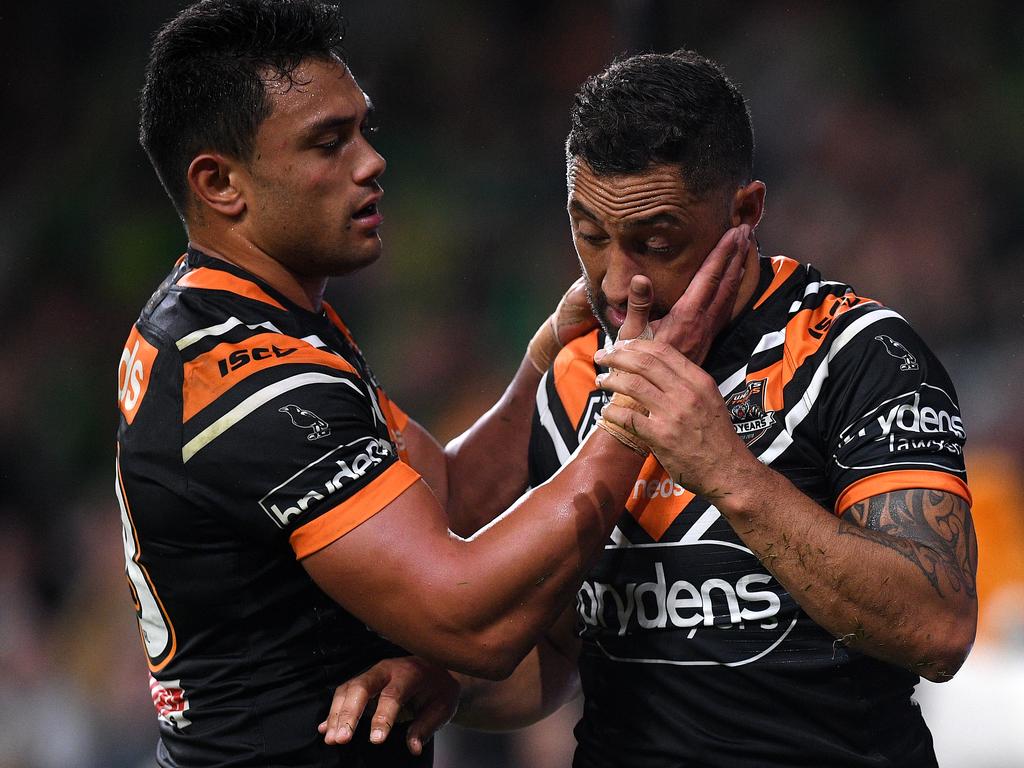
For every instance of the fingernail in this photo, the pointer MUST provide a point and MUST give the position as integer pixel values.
(600, 378)
(377, 735)
(415, 746)
(343, 733)
(599, 355)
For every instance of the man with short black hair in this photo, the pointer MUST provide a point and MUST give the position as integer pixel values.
(284, 522)
(799, 548)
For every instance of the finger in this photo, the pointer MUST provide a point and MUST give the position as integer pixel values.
(386, 714)
(657, 362)
(344, 714)
(428, 721)
(636, 386)
(627, 418)
(348, 704)
(720, 309)
(638, 307)
(702, 289)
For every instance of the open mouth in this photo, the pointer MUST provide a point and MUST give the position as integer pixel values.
(366, 211)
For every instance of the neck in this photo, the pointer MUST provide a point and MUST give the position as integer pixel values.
(307, 292)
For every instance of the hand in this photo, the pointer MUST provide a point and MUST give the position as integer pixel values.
(707, 304)
(408, 688)
(635, 328)
(571, 319)
(687, 426)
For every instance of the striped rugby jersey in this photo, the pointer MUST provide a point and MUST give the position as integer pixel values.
(693, 654)
(252, 434)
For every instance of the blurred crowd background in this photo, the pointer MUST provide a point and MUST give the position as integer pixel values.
(890, 137)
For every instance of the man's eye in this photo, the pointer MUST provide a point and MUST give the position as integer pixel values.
(592, 239)
(329, 146)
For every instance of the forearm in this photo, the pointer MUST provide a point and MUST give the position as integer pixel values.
(487, 464)
(517, 573)
(886, 595)
(543, 682)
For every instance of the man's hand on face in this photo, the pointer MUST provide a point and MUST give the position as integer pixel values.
(707, 304)
(572, 318)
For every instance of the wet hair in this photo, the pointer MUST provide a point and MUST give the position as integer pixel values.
(653, 109)
(205, 84)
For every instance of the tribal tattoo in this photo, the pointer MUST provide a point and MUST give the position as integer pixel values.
(929, 528)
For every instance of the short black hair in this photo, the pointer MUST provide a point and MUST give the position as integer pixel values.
(652, 109)
(204, 87)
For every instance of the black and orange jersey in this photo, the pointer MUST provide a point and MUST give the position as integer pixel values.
(692, 653)
(252, 434)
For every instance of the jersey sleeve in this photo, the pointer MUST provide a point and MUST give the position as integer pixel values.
(891, 420)
(301, 454)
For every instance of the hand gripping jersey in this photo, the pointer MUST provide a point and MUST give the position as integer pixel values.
(693, 654)
(252, 434)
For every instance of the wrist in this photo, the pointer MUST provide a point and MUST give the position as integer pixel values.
(544, 346)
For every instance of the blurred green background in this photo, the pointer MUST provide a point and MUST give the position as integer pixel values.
(889, 135)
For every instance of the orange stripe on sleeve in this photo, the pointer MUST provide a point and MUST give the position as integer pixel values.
(574, 375)
(217, 280)
(901, 480)
(783, 267)
(355, 510)
(213, 373)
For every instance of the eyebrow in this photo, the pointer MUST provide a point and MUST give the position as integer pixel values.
(338, 121)
(650, 221)
(577, 207)
(647, 221)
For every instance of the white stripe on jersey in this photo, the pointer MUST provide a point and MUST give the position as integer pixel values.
(315, 341)
(811, 288)
(768, 341)
(218, 330)
(254, 401)
(800, 410)
(548, 421)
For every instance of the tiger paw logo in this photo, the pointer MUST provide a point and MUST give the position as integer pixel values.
(304, 419)
(746, 409)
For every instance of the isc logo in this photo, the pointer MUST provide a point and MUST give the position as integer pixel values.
(133, 373)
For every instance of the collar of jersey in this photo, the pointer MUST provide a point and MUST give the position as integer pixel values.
(196, 259)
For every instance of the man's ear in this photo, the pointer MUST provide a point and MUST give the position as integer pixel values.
(748, 204)
(214, 180)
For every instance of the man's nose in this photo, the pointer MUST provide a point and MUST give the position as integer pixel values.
(370, 166)
(621, 269)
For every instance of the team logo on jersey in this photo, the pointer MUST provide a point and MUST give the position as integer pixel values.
(907, 361)
(304, 419)
(662, 605)
(924, 421)
(170, 701)
(746, 408)
(332, 472)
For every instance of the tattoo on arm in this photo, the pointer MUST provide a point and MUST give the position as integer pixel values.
(929, 528)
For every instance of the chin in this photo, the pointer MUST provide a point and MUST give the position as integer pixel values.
(355, 259)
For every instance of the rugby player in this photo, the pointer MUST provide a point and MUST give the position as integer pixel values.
(799, 548)
(284, 522)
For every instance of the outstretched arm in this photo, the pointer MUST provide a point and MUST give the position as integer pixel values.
(894, 577)
(479, 605)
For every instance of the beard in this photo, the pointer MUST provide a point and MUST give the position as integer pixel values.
(599, 306)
